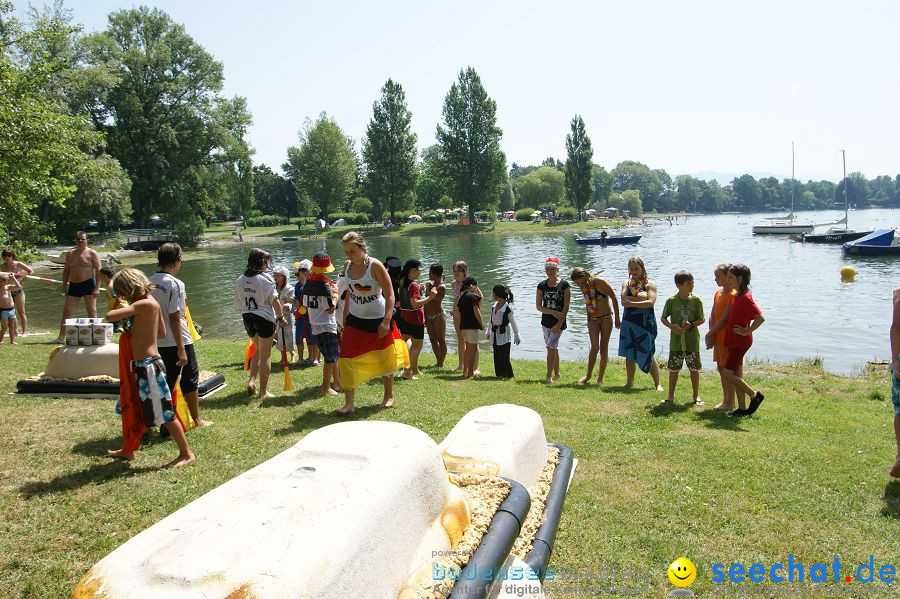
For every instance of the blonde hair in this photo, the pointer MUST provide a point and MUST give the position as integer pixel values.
(640, 262)
(4, 277)
(131, 284)
(461, 266)
(356, 239)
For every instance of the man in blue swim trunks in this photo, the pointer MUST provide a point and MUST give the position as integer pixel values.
(895, 372)
(81, 279)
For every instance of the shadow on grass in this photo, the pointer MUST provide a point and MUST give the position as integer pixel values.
(238, 397)
(315, 419)
(891, 498)
(293, 398)
(98, 447)
(720, 420)
(668, 408)
(96, 474)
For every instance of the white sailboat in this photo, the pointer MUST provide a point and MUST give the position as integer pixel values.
(784, 225)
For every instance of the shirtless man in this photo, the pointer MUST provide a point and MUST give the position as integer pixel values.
(81, 279)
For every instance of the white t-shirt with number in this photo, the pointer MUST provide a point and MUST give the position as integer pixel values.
(254, 295)
(169, 294)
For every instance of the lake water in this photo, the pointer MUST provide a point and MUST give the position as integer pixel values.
(809, 311)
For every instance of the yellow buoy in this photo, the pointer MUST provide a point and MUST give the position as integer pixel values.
(847, 273)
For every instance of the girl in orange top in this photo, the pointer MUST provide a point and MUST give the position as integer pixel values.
(715, 338)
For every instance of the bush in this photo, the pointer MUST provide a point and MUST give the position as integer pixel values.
(433, 217)
(268, 220)
(352, 218)
(524, 214)
(567, 213)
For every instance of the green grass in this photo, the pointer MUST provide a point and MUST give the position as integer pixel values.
(806, 475)
(220, 231)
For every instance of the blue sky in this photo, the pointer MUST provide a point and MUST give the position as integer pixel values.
(692, 86)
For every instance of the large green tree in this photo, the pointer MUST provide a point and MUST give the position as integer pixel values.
(273, 193)
(165, 119)
(41, 141)
(389, 152)
(324, 166)
(638, 176)
(603, 183)
(542, 188)
(579, 157)
(471, 158)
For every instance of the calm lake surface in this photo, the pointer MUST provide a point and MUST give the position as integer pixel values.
(809, 312)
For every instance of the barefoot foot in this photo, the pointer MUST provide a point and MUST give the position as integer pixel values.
(120, 453)
(181, 460)
(347, 409)
(895, 471)
(251, 389)
(659, 388)
(388, 402)
(583, 380)
(203, 423)
(266, 395)
(328, 392)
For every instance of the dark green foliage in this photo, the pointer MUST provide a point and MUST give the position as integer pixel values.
(389, 152)
(579, 156)
(524, 214)
(470, 155)
(268, 220)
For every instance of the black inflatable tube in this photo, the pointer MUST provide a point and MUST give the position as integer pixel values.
(64, 388)
(539, 556)
(495, 545)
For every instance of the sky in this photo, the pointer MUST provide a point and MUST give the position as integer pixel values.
(690, 87)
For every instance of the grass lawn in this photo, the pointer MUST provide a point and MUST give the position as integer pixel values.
(220, 231)
(807, 475)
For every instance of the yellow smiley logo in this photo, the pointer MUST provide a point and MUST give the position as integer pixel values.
(682, 572)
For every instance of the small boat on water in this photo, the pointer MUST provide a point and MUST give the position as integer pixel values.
(785, 225)
(608, 240)
(835, 234)
(882, 242)
(289, 238)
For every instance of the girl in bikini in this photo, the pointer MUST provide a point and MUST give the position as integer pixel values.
(11, 265)
(435, 319)
(597, 295)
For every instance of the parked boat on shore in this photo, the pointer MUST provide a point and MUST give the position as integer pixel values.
(605, 240)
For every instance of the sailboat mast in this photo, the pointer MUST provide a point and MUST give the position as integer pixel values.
(846, 205)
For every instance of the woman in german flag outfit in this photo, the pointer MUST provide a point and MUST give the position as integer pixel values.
(371, 345)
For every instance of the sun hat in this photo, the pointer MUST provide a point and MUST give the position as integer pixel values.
(552, 262)
(321, 264)
(282, 270)
(302, 265)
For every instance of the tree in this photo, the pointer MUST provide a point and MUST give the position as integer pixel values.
(603, 183)
(629, 200)
(748, 196)
(508, 197)
(41, 143)
(470, 157)
(273, 193)
(164, 118)
(389, 152)
(579, 157)
(689, 193)
(857, 190)
(635, 175)
(542, 188)
(324, 167)
(101, 194)
(432, 185)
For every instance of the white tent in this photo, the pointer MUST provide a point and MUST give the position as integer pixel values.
(320, 224)
(590, 211)
(536, 213)
(339, 222)
(415, 217)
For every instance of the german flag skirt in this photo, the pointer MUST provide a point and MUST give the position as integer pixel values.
(364, 355)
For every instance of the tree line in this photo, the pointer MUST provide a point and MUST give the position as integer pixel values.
(125, 124)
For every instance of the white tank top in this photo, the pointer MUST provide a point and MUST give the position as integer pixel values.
(366, 300)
